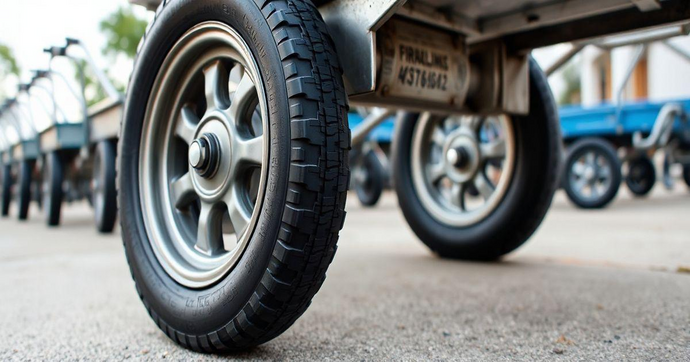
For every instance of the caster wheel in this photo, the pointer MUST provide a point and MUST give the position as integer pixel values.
(686, 174)
(51, 188)
(6, 190)
(369, 179)
(592, 173)
(103, 192)
(233, 169)
(510, 164)
(641, 176)
(25, 172)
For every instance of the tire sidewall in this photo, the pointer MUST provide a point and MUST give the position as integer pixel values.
(206, 310)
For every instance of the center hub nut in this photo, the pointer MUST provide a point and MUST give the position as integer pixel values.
(204, 155)
(458, 157)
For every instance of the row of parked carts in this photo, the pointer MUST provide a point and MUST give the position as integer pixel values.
(67, 158)
(54, 146)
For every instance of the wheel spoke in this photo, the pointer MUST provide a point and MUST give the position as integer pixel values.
(594, 191)
(216, 85)
(182, 191)
(251, 151)
(457, 192)
(483, 186)
(438, 136)
(578, 169)
(210, 232)
(238, 215)
(604, 173)
(186, 124)
(436, 172)
(236, 74)
(244, 94)
(471, 122)
(493, 150)
(580, 184)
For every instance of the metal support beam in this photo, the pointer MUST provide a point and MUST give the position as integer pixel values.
(375, 118)
(565, 58)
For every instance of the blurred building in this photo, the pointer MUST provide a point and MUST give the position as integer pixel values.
(661, 74)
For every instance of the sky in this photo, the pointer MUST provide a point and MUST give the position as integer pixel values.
(28, 26)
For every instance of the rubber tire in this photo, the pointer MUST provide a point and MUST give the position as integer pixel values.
(369, 194)
(537, 168)
(285, 262)
(575, 151)
(54, 171)
(25, 180)
(648, 173)
(686, 174)
(106, 212)
(6, 190)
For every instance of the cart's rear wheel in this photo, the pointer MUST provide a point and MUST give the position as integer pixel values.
(26, 169)
(6, 189)
(476, 187)
(641, 176)
(233, 168)
(592, 174)
(368, 176)
(103, 191)
(51, 188)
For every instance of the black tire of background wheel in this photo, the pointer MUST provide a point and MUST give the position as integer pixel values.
(106, 214)
(6, 190)
(54, 195)
(370, 192)
(686, 174)
(641, 188)
(285, 263)
(537, 168)
(606, 149)
(25, 172)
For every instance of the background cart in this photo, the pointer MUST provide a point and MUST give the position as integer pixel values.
(606, 140)
(22, 155)
(80, 157)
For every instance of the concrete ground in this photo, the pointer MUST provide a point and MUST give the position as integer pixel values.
(591, 285)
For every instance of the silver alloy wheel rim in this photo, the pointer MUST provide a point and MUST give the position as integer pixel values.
(97, 191)
(199, 224)
(591, 175)
(462, 195)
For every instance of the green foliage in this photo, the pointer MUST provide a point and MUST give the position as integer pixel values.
(123, 29)
(8, 64)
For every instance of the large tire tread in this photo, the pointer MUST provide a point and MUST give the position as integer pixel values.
(316, 195)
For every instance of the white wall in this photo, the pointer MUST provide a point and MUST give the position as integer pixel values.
(669, 73)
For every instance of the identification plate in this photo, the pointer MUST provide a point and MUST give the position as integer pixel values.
(422, 63)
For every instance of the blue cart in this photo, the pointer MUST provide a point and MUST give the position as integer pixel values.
(603, 139)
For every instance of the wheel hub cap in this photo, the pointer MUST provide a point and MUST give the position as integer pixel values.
(458, 157)
(205, 155)
(462, 157)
